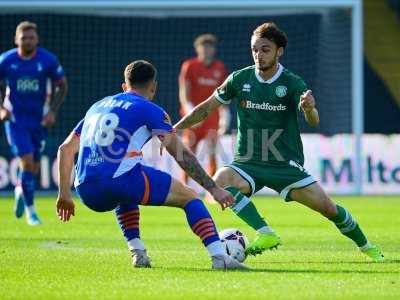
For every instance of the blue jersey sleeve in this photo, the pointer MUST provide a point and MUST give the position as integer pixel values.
(56, 71)
(78, 128)
(157, 120)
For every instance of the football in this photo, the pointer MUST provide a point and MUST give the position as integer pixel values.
(235, 243)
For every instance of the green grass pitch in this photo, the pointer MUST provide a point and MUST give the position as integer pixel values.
(88, 259)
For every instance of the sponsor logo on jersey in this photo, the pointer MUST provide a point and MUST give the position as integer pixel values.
(262, 106)
(207, 81)
(217, 74)
(246, 87)
(93, 159)
(27, 85)
(14, 66)
(281, 91)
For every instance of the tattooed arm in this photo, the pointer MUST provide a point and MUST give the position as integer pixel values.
(58, 94)
(199, 113)
(189, 163)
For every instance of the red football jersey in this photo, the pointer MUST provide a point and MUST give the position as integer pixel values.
(203, 81)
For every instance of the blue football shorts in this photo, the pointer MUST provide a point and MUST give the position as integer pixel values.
(142, 185)
(25, 140)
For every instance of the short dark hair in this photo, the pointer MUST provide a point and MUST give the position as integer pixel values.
(25, 25)
(271, 32)
(139, 73)
(205, 38)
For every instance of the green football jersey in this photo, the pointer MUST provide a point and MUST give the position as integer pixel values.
(268, 129)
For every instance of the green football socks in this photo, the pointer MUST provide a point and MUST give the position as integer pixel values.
(345, 222)
(246, 210)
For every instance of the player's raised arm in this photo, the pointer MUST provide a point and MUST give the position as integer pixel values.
(65, 157)
(199, 113)
(307, 104)
(189, 163)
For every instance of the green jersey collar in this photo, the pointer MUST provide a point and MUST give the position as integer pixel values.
(273, 78)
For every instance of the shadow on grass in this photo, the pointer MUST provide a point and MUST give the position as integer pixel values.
(387, 261)
(293, 271)
(266, 270)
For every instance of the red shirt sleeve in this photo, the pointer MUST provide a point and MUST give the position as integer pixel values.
(185, 73)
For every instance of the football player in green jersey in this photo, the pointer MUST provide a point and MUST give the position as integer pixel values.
(269, 150)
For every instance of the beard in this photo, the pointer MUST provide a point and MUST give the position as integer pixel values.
(269, 65)
(28, 50)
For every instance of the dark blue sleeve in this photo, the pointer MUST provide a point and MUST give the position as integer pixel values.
(157, 120)
(56, 71)
(78, 128)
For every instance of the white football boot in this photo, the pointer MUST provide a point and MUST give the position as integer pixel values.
(140, 259)
(225, 262)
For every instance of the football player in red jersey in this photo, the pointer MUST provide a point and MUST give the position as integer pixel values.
(198, 78)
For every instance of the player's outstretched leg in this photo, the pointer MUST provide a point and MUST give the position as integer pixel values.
(245, 209)
(28, 188)
(315, 198)
(202, 225)
(128, 216)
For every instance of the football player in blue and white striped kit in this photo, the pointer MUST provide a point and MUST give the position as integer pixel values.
(110, 174)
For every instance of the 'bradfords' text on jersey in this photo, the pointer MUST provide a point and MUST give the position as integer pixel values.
(264, 106)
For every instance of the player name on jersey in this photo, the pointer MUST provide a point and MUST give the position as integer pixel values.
(111, 103)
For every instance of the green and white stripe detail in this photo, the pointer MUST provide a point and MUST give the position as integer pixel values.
(297, 185)
(241, 202)
(348, 224)
(246, 176)
(218, 97)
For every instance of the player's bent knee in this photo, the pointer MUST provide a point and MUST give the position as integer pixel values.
(226, 177)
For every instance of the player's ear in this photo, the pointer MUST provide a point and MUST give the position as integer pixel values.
(124, 87)
(155, 86)
(280, 51)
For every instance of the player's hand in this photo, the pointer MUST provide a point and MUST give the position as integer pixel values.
(224, 198)
(307, 101)
(65, 208)
(5, 114)
(49, 119)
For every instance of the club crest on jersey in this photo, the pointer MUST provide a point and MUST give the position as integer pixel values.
(39, 67)
(281, 91)
(246, 87)
(167, 119)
